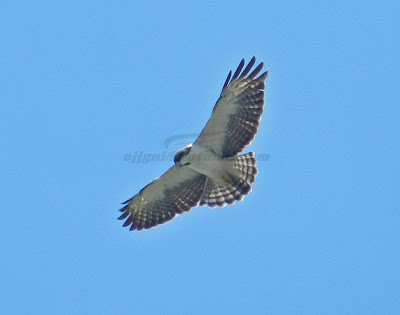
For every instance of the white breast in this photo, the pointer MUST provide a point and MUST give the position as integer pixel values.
(204, 161)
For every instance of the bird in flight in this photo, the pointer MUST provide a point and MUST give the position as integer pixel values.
(209, 171)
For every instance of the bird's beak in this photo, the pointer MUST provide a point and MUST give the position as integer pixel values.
(179, 164)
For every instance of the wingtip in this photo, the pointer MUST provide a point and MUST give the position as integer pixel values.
(128, 222)
(227, 79)
(238, 70)
(126, 201)
(123, 215)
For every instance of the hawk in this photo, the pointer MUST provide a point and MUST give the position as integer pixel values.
(209, 171)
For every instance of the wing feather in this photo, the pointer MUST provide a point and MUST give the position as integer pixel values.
(248, 67)
(238, 70)
(235, 118)
(227, 79)
(256, 71)
(175, 192)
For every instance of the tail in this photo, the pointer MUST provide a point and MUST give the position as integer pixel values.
(241, 172)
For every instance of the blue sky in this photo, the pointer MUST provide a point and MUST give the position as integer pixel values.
(83, 84)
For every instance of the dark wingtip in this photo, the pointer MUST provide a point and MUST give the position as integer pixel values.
(248, 67)
(227, 79)
(256, 71)
(128, 221)
(238, 70)
(123, 208)
(125, 202)
(123, 216)
(239, 74)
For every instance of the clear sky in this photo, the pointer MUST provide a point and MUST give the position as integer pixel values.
(86, 84)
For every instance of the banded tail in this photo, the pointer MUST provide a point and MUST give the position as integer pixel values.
(242, 172)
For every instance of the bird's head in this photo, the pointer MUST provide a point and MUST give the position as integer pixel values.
(180, 158)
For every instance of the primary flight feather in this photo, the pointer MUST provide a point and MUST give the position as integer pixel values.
(209, 171)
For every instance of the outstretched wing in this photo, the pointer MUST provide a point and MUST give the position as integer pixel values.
(175, 192)
(236, 115)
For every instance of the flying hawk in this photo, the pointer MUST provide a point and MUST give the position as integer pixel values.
(209, 171)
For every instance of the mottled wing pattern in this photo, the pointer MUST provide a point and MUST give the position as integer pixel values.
(236, 115)
(177, 191)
